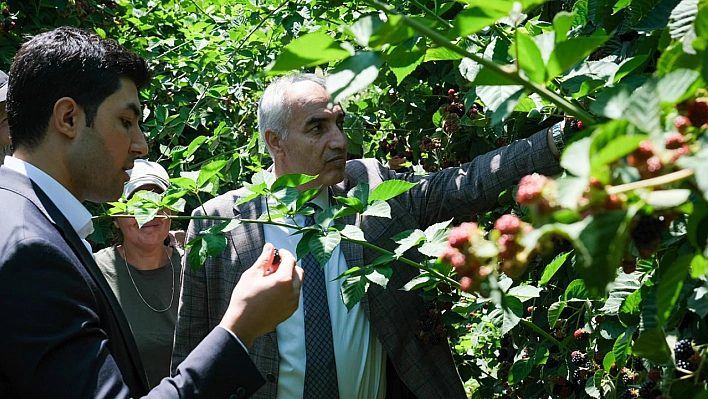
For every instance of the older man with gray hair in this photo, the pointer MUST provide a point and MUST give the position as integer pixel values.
(323, 350)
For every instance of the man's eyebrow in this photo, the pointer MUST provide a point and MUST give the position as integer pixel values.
(316, 119)
(135, 108)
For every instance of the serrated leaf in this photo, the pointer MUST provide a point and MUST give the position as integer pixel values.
(624, 286)
(292, 180)
(435, 245)
(494, 96)
(303, 246)
(698, 301)
(351, 202)
(215, 243)
(322, 246)
(652, 346)
(403, 62)
(699, 163)
(666, 199)
(287, 196)
(418, 282)
(194, 145)
(529, 58)
(576, 157)
(305, 196)
(668, 289)
(576, 290)
(350, 231)
(525, 292)
(593, 384)
(513, 311)
(379, 209)
(389, 189)
(144, 216)
(379, 275)
(184, 182)
(473, 19)
(408, 240)
(520, 370)
(309, 50)
(353, 289)
(197, 252)
(567, 53)
(621, 347)
(676, 85)
(550, 270)
(699, 266)
(208, 171)
(554, 312)
(353, 75)
(506, 107)
(643, 109)
(616, 149)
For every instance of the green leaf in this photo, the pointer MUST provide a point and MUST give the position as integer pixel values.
(562, 22)
(389, 189)
(292, 180)
(576, 157)
(215, 243)
(600, 248)
(576, 290)
(360, 191)
(144, 216)
(350, 231)
(372, 31)
(379, 209)
(529, 58)
(616, 149)
(423, 280)
(353, 289)
(194, 146)
(303, 246)
(513, 311)
(643, 109)
(288, 196)
(403, 62)
(520, 370)
(698, 301)
(667, 199)
(554, 312)
(197, 252)
(507, 107)
(494, 96)
(677, 85)
(322, 246)
(567, 53)
(435, 244)
(408, 240)
(441, 54)
(309, 50)
(208, 171)
(629, 65)
(593, 384)
(699, 163)
(652, 346)
(351, 202)
(550, 270)
(612, 102)
(306, 196)
(525, 292)
(379, 275)
(353, 75)
(624, 286)
(669, 288)
(699, 266)
(473, 19)
(621, 347)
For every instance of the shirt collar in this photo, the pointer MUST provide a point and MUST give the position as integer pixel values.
(68, 205)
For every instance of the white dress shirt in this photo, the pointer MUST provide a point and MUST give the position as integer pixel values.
(79, 217)
(359, 356)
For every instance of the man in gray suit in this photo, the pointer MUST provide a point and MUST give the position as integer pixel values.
(373, 349)
(74, 112)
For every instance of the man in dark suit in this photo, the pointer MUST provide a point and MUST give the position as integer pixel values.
(74, 114)
(374, 350)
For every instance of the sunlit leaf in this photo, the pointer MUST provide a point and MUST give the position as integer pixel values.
(309, 50)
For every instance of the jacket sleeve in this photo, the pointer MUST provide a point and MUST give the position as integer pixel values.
(475, 186)
(52, 344)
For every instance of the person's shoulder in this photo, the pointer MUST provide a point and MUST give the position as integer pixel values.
(106, 260)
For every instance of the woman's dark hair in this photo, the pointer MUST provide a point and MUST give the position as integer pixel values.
(65, 62)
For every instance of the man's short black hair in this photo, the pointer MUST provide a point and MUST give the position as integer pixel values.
(65, 62)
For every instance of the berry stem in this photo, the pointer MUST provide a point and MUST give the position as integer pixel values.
(654, 181)
(542, 333)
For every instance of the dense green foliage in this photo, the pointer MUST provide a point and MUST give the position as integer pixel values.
(610, 268)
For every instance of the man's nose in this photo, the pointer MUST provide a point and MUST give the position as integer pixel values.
(339, 139)
(138, 145)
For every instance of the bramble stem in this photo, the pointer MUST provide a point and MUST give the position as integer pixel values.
(653, 182)
(540, 332)
(507, 71)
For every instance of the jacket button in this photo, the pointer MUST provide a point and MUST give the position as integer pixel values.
(240, 393)
(270, 377)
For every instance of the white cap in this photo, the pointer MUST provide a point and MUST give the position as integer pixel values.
(145, 173)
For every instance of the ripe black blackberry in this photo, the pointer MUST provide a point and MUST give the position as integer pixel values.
(577, 358)
(648, 390)
(637, 364)
(580, 376)
(683, 350)
(430, 306)
(426, 323)
(685, 364)
(627, 379)
(434, 339)
(552, 362)
(646, 234)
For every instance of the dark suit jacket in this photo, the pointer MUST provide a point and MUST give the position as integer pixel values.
(428, 371)
(63, 333)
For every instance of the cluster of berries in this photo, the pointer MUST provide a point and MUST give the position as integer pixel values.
(562, 388)
(538, 193)
(430, 331)
(513, 259)
(454, 111)
(686, 357)
(393, 145)
(6, 23)
(465, 251)
(428, 144)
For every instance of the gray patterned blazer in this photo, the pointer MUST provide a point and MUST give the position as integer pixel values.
(428, 370)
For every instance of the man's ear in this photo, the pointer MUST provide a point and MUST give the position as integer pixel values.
(65, 118)
(274, 142)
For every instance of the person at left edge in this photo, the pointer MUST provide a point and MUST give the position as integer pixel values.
(74, 111)
(5, 144)
(143, 271)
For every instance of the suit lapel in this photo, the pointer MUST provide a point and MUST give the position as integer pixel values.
(21, 185)
(250, 238)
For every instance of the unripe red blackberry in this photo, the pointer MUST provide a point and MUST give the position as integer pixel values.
(629, 266)
(654, 375)
(679, 152)
(530, 189)
(596, 184)
(698, 113)
(682, 123)
(460, 235)
(580, 334)
(674, 140)
(508, 224)
(695, 360)
(654, 164)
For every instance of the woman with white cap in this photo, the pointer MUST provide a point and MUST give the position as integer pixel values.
(144, 273)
